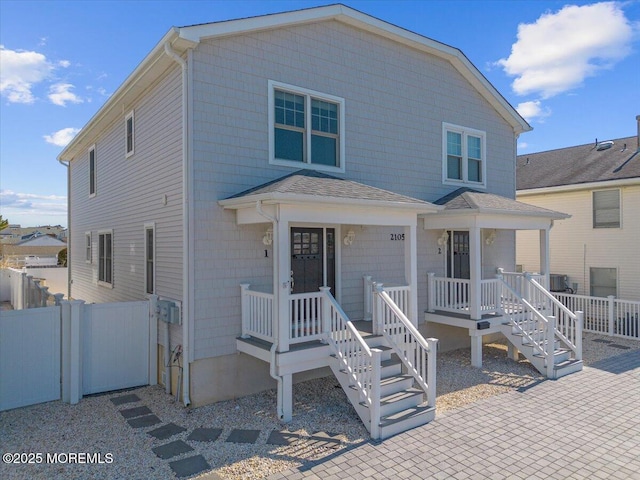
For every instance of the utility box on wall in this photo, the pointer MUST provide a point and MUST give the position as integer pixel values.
(168, 312)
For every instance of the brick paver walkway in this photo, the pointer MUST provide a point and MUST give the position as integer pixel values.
(583, 426)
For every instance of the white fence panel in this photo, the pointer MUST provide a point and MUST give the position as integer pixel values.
(115, 351)
(29, 357)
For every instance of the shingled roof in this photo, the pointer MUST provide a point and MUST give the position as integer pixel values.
(580, 164)
(466, 200)
(312, 184)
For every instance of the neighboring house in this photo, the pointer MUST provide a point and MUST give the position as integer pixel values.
(599, 186)
(246, 164)
(34, 250)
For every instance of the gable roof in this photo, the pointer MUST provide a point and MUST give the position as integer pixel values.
(581, 164)
(466, 200)
(180, 39)
(308, 186)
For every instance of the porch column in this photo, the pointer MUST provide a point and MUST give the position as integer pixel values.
(475, 260)
(282, 283)
(411, 269)
(545, 264)
(476, 350)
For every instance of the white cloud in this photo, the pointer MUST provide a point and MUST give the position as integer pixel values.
(64, 63)
(62, 137)
(31, 203)
(61, 94)
(19, 71)
(557, 52)
(533, 110)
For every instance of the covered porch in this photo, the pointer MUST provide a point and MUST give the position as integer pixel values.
(476, 234)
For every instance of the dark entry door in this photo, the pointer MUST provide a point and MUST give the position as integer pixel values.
(458, 265)
(307, 259)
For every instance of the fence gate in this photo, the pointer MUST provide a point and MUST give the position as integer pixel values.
(115, 346)
(29, 357)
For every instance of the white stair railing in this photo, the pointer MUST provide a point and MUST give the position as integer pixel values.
(361, 363)
(416, 353)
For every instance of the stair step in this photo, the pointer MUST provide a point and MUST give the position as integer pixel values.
(395, 402)
(567, 367)
(405, 420)
(405, 414)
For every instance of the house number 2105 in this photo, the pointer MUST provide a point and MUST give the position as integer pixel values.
(397, 236)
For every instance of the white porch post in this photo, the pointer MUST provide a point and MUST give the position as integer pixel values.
(545, 264)
(287, 397)
(411, 269)
(475, 259)
(476, 350)
(282, 284)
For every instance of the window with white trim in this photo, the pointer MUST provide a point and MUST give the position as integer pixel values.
(603, 282)
(464, 155)
(149, 259)
(92, 171)
(87, 247)
(105, 258)
(606, 209)
(129, 137)
(306, 128)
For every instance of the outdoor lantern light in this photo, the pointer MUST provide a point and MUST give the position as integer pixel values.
(268, 237)
(491, 238)
(443, 238)
(349, 237)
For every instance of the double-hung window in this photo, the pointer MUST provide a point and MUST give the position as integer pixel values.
(129, 136)
(306, 128)
(606, 209)
(105, 258)
(92, 171)
(464, 155)
(149, 258)
(87, 247)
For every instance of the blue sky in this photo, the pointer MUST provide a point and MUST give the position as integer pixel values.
(572, 69)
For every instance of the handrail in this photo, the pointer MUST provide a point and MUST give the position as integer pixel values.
(416, 353)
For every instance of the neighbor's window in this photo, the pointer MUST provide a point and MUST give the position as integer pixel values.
(87, 247)
(464, 155)
(149, 255)
(105, 258)
(129, 134)
(306, 128)
(606, 209)
(603, 282)
(92, 171)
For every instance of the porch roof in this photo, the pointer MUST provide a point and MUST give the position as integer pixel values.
(494, 211)
(311, 187)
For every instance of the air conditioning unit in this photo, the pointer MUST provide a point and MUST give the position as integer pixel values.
(558, 282)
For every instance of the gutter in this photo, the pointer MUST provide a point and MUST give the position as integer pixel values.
(579, 186)
(274, 347)
(187, 304)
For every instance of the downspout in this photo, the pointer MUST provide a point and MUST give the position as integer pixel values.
(274, 347)
(68, 165)
(186, 211)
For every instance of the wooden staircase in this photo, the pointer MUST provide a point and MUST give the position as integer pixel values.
(547, 333)
(402, 406)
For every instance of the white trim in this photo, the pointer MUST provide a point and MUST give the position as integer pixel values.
(131, 116)
(465, 132)
(625, 182)
(150, 227)
(102, 282)
(308, 94)
(93, 177)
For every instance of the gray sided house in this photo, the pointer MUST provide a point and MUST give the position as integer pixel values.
(286, 177)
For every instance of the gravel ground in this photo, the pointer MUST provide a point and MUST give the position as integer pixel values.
(96, 426)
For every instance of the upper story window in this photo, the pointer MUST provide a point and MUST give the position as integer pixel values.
(129, 134)
(306, 128)
(92, 171)
(606, 209)
(464, 155)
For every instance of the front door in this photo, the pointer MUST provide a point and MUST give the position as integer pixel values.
(312, 259)
(458, 261)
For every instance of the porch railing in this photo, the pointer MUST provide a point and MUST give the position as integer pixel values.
(416, 353)
(454, 295)
(517, 280)
(606, 315)
(306, 317)
(257, 314)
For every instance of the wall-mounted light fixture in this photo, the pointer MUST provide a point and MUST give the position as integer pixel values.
(491, 238)
(267, 239)
(443, 238)
(349, 237)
